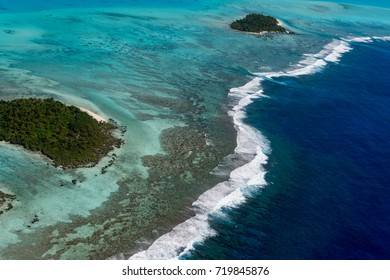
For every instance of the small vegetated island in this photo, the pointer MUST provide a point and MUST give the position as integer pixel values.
(67, 135)
(259, 23)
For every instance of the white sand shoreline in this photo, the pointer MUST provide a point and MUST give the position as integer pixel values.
(93, 115)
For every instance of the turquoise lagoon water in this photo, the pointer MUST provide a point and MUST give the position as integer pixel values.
(171, 72)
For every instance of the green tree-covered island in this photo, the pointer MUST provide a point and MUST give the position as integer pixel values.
(258, 23)
(67, 135)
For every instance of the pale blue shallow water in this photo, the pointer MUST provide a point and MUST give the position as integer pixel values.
(376, 3)
(150, 66)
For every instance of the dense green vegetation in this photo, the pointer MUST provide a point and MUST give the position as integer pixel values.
(258, 23)
(70, 137)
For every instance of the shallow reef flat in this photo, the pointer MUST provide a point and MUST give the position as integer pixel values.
(100, 211)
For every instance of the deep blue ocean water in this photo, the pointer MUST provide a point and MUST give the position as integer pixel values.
(329, 170)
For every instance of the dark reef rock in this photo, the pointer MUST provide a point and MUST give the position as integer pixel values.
(9, 31)
(6, 202)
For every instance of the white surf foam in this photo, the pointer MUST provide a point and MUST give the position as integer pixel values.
(251, 145)
(312, 63)
(367, 39)
(382, 38)
(359, 39)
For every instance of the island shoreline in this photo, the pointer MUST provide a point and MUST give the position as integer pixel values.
(70, 136)
(260, 22)
(96, 116)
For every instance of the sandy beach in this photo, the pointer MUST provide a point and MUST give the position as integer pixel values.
(94, 115)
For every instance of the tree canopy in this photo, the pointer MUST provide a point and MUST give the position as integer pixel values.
(68, 136)
(258, 23)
